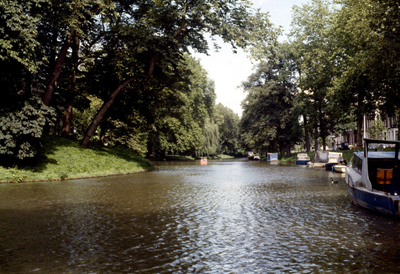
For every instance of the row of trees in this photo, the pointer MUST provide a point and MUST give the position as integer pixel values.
(118, 71)
(341, 62)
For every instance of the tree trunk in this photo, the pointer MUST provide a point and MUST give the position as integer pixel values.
(324, 142)
(67, 119)
(306, 134)
(100, 114)
(57, 69)
(316, 138)
(360, 131)
(288, 153)
(281, 148)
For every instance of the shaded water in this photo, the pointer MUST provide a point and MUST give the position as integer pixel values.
(229, 216)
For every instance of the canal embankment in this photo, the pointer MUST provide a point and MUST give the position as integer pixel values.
(63, 159)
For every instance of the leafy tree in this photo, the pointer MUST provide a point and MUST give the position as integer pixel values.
(384, 20)
(377, 129)
(18, 34)
(22, 129)
(210, 138)
(310, 37)
(357, 90)
(162, 31)
(267, 122)
(228, 124)
(23, 117)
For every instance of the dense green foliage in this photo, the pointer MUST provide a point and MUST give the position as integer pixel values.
(21, 130)
(120, 73)
(267, 123)
(344, 58)
(117, 72)
(228, 125)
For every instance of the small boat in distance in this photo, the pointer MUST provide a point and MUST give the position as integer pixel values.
(256, 158)
(302, 159)
(272, 157)
(250, 155)
(373, 178)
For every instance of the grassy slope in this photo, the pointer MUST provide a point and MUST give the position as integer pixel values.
(65, 159)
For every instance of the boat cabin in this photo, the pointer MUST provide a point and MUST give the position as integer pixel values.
(383, 169)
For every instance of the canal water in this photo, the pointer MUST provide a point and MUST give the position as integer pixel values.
(231, 216)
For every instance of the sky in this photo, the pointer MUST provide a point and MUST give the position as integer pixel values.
(229, 70)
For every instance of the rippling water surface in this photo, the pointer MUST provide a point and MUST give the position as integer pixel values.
(227, 217)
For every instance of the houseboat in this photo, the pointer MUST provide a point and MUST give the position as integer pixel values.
(373, 178)
(302, 159)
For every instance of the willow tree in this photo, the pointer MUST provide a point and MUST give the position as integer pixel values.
(228, 124)
(164, 30)
(211, 139)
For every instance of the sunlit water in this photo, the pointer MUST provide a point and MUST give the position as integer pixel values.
(227, 217)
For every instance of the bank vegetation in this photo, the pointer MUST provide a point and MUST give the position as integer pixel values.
(119, 74)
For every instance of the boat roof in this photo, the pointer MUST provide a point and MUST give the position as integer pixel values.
(377, 154)
(370, 141)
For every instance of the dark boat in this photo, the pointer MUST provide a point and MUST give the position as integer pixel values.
(373, 178)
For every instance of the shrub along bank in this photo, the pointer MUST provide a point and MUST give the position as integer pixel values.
(62, 159)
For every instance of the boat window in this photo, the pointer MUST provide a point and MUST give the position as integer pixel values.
(381, 155)
(357, 164)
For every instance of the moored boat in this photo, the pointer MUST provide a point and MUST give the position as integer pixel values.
(339, 168)
(256, 158)
(333, 160)
(373, 178)
(302, 159)
(250, 155)
(272, 157)
(320, 158)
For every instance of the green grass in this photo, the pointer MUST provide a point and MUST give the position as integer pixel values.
(65, 159)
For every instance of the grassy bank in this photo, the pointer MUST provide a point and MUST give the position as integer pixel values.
(65, 159)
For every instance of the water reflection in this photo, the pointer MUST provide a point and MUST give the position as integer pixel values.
(227, 216)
